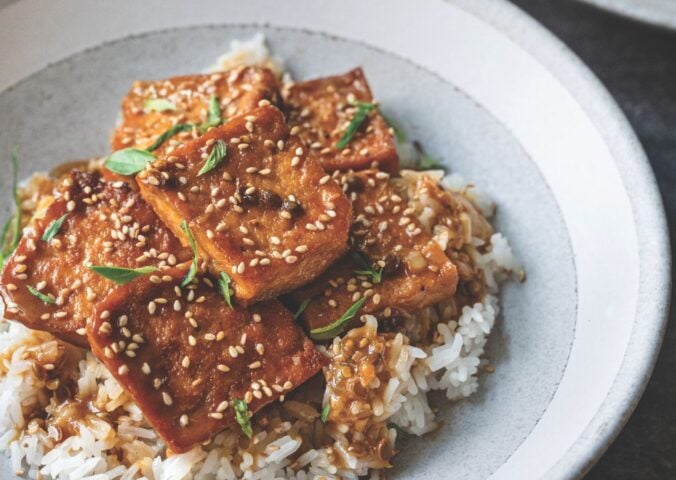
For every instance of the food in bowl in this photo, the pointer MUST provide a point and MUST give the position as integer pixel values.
(263, 280)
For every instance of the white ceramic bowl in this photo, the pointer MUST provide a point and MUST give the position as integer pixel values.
(654, 12)
(501, 101)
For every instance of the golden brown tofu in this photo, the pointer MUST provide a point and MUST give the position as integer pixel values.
(105, 224)
(185, 356)
(238, 91)
(386, 237)
(321, 111)
(267, 213)
(457, 224)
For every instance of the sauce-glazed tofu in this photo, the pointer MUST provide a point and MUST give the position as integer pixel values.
(105, 224)
(322, 109)
(387, 238)
(186, 100)
(267, 213)
(185, 356)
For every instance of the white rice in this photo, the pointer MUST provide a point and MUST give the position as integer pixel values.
(129, 449)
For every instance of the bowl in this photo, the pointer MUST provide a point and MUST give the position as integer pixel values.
(494, 95)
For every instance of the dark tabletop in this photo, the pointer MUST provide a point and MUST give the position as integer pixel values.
(637, 63)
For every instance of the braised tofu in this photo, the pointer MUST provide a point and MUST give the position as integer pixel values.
(322, 109)
(151, 108)
(259, 206)
(102, 224)
(395, 264)
(458, 227)
(187, 358)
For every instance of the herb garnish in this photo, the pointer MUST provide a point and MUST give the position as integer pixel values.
(430, 163)
(40, 295)
(193, 266)
(53, 228)
(158, 105)
(215, 157)
(398, 132)
(179, 127)
(128, 161)
(121, 275)
(224, 284)
(376, 275)
(301, 309)
(336, 328)
(213, 114)
(14, 223)
(243, 416)
(325, 412)
(363, 110)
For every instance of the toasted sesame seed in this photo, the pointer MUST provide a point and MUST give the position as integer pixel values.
(216, 415)
(232, 351)
(123, 370)
(166, 398)
(145, 368)
(185, 362)
(210, 337)
(291, 259)
(223, 368)
(192, 340)
(324, 179)
(257, 318)
(152, 307)
(260, 348)
(184, 420)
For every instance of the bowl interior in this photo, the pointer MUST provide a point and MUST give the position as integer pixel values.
(67, 110)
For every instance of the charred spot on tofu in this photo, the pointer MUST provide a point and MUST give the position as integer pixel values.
(101, 223)
(153, 107)
(266, 213)
(394, 263)
(185, 356)
(320, 111)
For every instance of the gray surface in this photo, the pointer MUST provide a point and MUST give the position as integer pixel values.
(479, 434)
(637, 64)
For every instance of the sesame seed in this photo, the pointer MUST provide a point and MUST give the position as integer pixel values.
(223, 368)
(145, 368)
(257, 318)
(152, 308)
(210, 337)
(123, 370)
(232, 351)
(166, 398)
(192, 340)
(324, 179)
(70, 206)
(184, 420)
(216, 415)
(260, 348)
(185, 362)
(295, 161)
(291, 259)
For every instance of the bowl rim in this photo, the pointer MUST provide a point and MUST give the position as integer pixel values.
(652, 313)
(652, 16)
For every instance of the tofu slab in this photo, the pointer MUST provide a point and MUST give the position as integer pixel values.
(184, 355)
(239, 91)
(267, 214)
(386, 236)
(106, 224)
(321, 110)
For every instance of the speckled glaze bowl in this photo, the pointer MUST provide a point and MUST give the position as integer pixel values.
(491, 92)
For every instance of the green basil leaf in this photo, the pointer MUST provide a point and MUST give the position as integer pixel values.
(336, 328)
(363, 110)
(128, 161)
(243, 416)
(325, 412)
(158, 105)
(179, 127)
(121, 275)
(398, 132)
(213, 114)
(215, 157)
(10, 243)
(430, 163)
(53, 228)
(301, 309)
(41, 296)
(376, 275)
(193, 266)
(224, 284)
